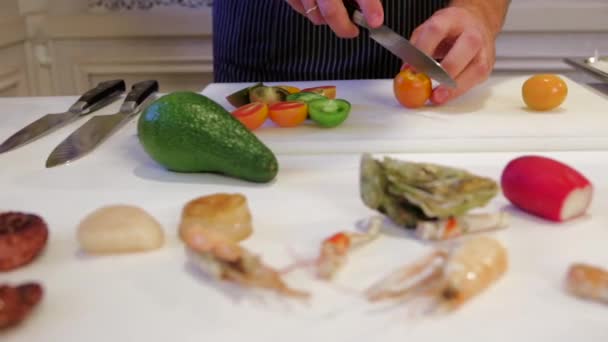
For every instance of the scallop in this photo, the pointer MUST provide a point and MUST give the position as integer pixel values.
(119, 229)
(224, 213)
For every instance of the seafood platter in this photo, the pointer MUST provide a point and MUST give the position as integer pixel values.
(186, 224)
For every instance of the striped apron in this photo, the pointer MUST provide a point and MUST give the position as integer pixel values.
(266, 40)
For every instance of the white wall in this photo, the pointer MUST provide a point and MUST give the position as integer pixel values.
(81, 6)
(32, 6)
(8, 7)
(67, 6)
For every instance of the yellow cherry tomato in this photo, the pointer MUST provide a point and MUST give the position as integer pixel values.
(544, 92)
(290, 89)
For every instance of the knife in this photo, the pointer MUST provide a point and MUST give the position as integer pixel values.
(100, 96)
(95, 131)
(401, 47)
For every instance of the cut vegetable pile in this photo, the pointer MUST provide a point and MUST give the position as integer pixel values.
(288, 106)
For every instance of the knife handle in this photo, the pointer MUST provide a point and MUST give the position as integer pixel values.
(354, 13)
(141, 91)
(100, 95)
(351, 7)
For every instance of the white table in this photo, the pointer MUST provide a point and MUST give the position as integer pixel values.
(492, 117)
(157, 296)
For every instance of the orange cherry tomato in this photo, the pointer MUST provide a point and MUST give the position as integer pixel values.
(253, 115)
(407, 66)
(328, 91)
(288, 113)
(412, 89)
(544, 92)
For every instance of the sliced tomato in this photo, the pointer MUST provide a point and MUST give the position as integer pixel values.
(268, 95)
(288, 113)
(412, 89)
(252, 115)
(328, 91)
(241, 97)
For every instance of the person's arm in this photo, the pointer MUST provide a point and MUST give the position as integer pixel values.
(495, 11)
(463, 35)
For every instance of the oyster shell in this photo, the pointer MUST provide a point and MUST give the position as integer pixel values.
(410, 192)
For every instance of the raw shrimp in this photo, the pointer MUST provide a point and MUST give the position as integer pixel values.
(335, 249)
(224, 259)
(588, 282)
(450, 277)
(461, 225)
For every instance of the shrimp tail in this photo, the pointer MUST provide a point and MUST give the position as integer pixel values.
(372, 233)
(588, 282)
(452, 227)
(420, 276)
(270, 281)
(225, 260)
(473, 266)
(336, 248)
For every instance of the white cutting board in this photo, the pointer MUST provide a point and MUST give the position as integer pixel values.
(492, 117)
(157, 297)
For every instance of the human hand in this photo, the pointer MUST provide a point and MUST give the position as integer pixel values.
(465, 41)
(334, 14)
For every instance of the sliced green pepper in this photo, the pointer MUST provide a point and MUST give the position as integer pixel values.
(327, 112)
(305, 97)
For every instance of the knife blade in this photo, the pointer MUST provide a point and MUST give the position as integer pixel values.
(103, 94)
(95, 131)
(401, 47)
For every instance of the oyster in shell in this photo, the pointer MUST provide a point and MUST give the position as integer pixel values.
(410, 192)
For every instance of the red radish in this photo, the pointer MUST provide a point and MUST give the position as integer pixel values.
(547, 188)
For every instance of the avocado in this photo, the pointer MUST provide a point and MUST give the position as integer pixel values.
(189, 132)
